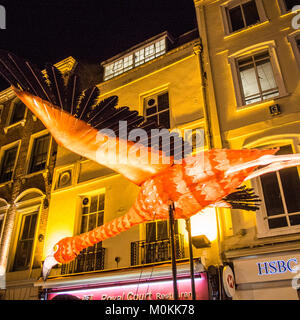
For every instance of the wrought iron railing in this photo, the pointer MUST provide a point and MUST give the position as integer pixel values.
(143, 252)
(91, 259)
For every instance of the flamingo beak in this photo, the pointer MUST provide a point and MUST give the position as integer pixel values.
(48, 264)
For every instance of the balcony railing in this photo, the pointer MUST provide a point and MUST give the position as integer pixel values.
(91, 259)
(158, 251)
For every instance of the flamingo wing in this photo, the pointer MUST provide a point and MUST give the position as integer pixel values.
(113, 136)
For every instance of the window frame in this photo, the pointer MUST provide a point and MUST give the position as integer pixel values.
(132, 54)
(155, 92)
(18, 239)
(97, 246)
(21, 122)
(30, 150)
(292, 38)
(2, 154)
(234, 3)
(263, 230)
(24, 208)
(3, 215)
(248, 52)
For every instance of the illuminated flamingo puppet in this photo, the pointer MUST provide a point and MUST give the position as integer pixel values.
(79, 122)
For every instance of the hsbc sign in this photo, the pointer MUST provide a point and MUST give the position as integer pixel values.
(266, 268)
(276, 266)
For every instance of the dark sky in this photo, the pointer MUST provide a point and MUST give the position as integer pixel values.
(89, 30)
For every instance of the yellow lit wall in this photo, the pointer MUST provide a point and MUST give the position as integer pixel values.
(249, 126)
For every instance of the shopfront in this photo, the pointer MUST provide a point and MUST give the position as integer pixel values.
(154, 283)
(268, 277)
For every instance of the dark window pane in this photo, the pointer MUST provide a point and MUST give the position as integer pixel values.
(162, 230)
(94, 201)
(153, 118)
(289, 4)
(251, 13)
(18, 112)
(291, 188)
(8, 164)
(272, 195)
(26, 228)
(150, 232)
(150, 111)
(294, 220)
(32, 226)
(236, 18)
(101, 202)
(83, 224)
(39, 154)
(164, 119)
(92, 222)
(277, 223)
(100, 219)
(85, 210)
(163, 101)
(24, 245)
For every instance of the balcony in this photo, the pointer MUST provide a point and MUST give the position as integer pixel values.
(91, 259)
(158, 251)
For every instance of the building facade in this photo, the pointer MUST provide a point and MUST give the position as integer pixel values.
(160, 78)
(27, 161)
(251, 59)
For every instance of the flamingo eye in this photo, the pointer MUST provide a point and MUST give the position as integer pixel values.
(55, 248)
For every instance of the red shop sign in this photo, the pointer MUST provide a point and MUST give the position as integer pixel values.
(158, 290)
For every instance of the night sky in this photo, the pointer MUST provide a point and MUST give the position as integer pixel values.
(89, 30)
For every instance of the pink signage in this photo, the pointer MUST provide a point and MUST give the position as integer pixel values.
(156, 290)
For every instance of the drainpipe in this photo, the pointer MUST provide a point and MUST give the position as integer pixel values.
(198, 50)
(210, 111)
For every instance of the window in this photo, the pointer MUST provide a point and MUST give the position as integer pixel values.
(157, 109)
(17, 112)
(135, 59)
(118, 67)
(294, 40)
(25, 241)
(8, 164)
(257, 78)
(39, 153)
(280, 191)
(157, 241)
(150, 52)
(240, 14)
(92, 212)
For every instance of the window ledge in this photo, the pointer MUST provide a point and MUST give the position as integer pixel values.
(268, 102)
(280, 232)
(253, 26)
(22, 123)
(7, 183)
(30, 175)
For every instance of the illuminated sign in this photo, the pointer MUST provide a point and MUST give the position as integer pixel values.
(276, 266)
(158, 290)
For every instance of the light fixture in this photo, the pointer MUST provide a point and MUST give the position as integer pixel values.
(201, 241)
